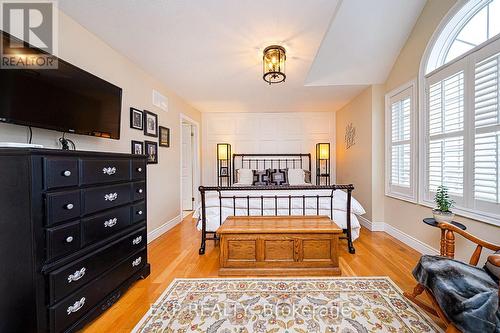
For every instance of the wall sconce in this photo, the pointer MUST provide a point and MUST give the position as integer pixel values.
(223, 164)
(323, 163)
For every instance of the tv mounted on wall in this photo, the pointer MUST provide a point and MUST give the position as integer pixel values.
(66, 99)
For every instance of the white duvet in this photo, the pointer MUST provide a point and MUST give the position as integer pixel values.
(213, 211)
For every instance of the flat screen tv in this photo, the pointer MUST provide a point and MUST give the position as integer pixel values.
(66, 99)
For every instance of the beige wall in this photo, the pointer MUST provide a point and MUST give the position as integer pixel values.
(83, 49)
(407, 64)
(378, 149)
(364, 163)
(354, 164)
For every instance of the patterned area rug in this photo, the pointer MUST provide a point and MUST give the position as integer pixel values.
(301, 305)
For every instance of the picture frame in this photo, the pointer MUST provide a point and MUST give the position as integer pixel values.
(224, 172)
(151, 151)
(164, 140)
(137, 147)
(136, 119)
(150, 124)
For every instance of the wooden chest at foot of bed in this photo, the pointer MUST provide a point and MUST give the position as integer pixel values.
(279, 245)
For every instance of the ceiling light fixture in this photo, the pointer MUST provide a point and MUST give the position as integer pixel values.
(274, 64)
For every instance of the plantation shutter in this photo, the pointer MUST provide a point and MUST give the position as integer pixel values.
(400, 141)
(400, 173)
(445, 160)
(487, 132)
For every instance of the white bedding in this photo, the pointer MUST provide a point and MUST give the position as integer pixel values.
(339, 206)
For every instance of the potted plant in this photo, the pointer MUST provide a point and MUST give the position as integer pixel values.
(442, 213)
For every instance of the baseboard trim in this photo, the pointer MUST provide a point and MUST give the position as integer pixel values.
(411, 241)
(154, 234)
(365, 222)
(372, 226)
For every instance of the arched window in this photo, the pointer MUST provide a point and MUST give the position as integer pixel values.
(460, 120)
(476, 22)
(483, 25)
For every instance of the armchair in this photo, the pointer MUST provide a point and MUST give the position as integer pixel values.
(463, 296)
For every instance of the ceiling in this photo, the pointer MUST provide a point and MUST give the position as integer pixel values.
(370, 35)
(210, 51)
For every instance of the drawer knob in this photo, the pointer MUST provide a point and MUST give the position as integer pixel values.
(139, 169)
(136, 262)
(139, 190)
(137, 240)
(77, 275)
(69, 206)
(111, 196)
(139, 212)
(67, 173)
(109, 171)
(75, 307)
(110, 223)
(69, 239)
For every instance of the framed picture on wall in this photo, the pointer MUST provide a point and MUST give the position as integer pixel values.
(136, 119)
(164, 136)
(150, 124)
(151, 149)
(137, 147)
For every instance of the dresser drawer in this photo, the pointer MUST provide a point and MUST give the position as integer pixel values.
(104, 225)
(62, 206)
(139, 191)
(105, 197)
(63, 240)
(138, 169)
(60, 172)
(94, 171)
(138, 212)
(67, 279)
(72, 308)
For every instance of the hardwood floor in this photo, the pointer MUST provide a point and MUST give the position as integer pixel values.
(175, 255)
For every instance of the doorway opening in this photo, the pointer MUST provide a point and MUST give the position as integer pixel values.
(189, 164)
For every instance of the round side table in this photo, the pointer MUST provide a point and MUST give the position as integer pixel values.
(432, 222)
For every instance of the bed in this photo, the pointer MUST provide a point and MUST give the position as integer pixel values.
(335, 201)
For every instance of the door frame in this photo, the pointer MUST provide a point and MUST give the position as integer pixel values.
(196, 159)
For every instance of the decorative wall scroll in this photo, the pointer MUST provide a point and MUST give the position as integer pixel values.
(350, 136)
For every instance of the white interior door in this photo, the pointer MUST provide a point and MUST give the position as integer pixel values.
(187, 167)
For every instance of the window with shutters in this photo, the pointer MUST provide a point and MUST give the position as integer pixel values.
(486, 132)
(460, 120)
(401, 143)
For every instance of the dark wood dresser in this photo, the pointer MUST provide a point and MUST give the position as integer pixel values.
(72, 235)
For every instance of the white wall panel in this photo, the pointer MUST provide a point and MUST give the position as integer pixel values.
(316, 125)
(265, 133)
(246, 126)
(246, 145)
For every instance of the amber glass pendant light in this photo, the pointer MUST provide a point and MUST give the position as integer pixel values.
(274, 64)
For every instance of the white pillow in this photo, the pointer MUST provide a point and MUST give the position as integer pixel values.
(296, 177)
(245, 176)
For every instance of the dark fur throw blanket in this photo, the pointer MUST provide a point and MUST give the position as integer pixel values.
(467, 294)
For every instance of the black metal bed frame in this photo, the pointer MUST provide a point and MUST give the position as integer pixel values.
(278, 161)
(264, 161)
(349, 188)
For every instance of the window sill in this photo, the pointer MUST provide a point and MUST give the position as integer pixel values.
(480, 217)
(491, 220)
(402, 197)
